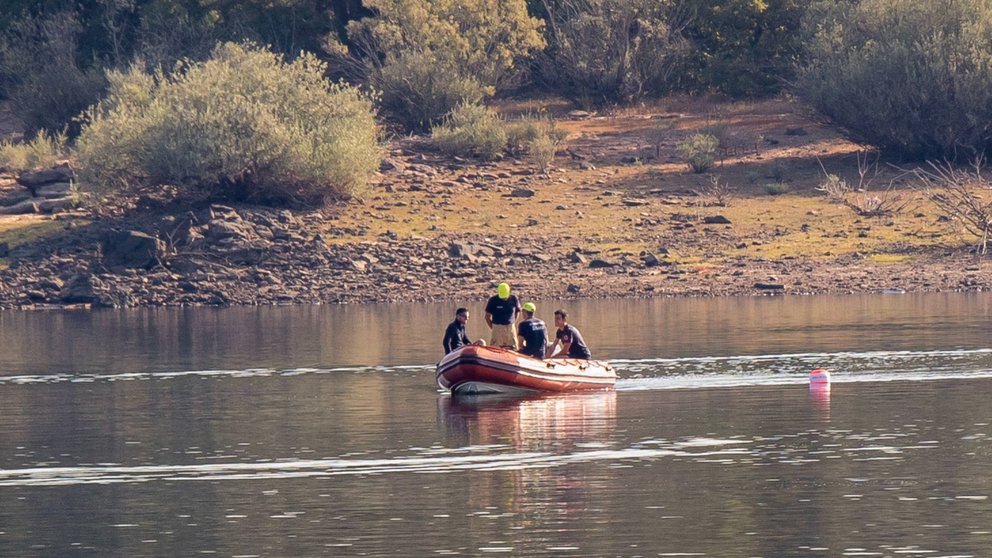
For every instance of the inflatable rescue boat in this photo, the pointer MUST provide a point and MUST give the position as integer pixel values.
(479, 369)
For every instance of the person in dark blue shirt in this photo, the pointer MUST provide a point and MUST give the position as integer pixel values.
(501, 313)
(454, 336)
(532, 332)
(568, 338)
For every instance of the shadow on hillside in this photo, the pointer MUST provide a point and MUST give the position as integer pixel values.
(796, 175)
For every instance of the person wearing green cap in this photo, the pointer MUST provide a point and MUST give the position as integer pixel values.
(501, 313)
(532, 332)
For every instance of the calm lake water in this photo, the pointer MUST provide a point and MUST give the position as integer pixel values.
(318, 431)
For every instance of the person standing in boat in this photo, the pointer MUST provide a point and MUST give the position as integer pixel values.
(568, 339)
(532, 333)
(455, 336)
(501, 313)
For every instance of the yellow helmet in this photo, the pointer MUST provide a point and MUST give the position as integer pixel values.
(530, 307)
(503, 290)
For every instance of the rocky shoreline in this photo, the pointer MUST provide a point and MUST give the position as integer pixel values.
(591, 229)
(222, 255)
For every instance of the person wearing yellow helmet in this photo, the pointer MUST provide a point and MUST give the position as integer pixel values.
(501, 313)
(532, 332)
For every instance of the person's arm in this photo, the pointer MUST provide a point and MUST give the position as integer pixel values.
(520, 336)
(550, 349)
(564, 343)
(489, 313)
(465, 339)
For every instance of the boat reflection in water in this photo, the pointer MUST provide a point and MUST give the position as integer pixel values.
(530, 422)
(538, 482)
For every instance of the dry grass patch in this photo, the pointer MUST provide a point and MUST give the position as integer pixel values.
(583, 207)
(890, 259)
(16, 230)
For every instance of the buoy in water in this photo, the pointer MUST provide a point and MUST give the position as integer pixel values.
(819, 377)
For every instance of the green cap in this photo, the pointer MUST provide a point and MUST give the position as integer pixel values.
(530, 307)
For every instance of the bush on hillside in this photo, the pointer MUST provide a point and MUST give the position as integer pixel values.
(244, 125)
(542, 151)
(429, 56)
(486, 38)
(536, 137)
(743, 48)
(418, 90)
(40, 74)
(903, 76)
(609, 51)
(471, 130)
(43, 151)
(523, 132)
(699, 150)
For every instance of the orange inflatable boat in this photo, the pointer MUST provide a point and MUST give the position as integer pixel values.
(476, 369)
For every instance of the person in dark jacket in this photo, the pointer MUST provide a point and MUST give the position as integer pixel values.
(501, 315)
(532, 333)
(568, 338)
(455, 336)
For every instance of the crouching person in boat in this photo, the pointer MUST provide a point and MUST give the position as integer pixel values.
(501, 314)
(455, 336)
(532, 333)
(568, 341)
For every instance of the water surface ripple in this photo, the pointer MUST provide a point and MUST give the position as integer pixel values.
(320, 432)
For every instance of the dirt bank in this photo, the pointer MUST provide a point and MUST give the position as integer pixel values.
(620, 215)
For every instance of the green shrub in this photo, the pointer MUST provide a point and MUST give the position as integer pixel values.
(43, 151)
(40, 73)
(776, 171)
(244, 124)
(486, 38)
(521, 133)
(471, 130)
(609, 51)
(699, 150)
(721, 131)
(429, 56)
(419, 91)
(904, 76)
(542, 151)
(777, 189)
(741, 48)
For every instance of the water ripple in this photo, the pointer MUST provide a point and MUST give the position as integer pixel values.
(656, 373)
(281, 469)
(728, 452)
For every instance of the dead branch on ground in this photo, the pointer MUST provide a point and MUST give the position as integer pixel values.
(962, 194)
(859, 198)
(720, 192)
